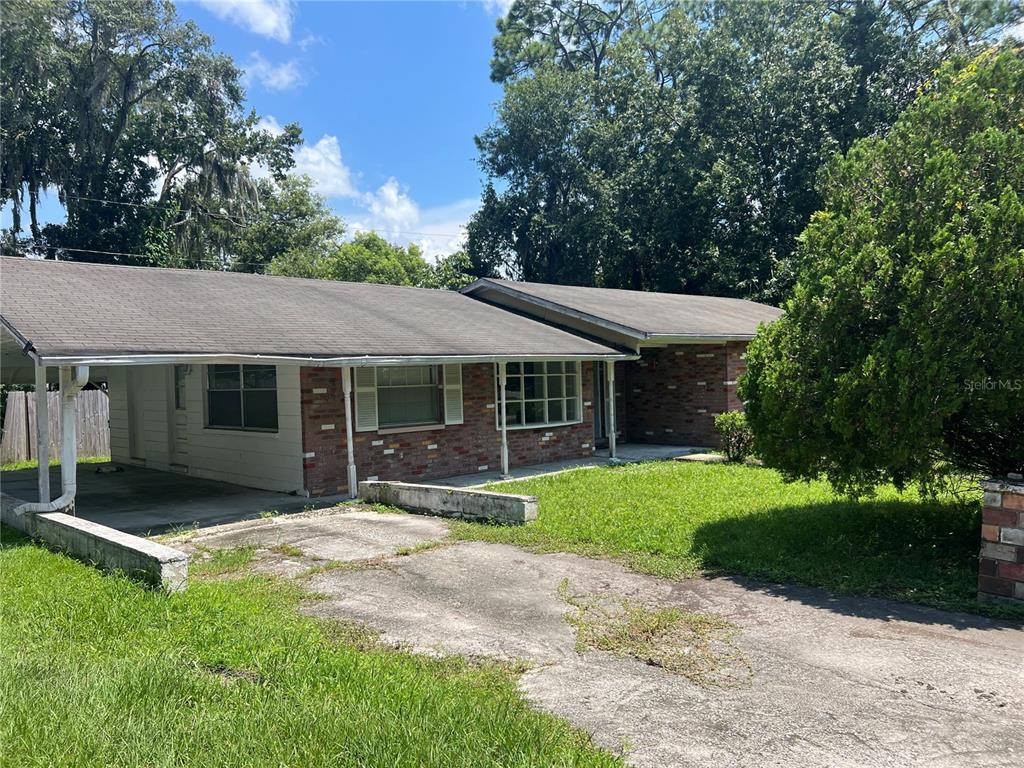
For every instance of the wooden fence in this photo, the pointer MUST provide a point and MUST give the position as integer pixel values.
(19, 435)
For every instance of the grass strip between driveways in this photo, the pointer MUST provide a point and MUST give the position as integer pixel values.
(98, 671)
(676, 519)
(54, 462)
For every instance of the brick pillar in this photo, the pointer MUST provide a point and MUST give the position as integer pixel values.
(1001, 569)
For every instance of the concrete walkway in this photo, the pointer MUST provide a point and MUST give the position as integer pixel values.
(628, 453)
(833, 681)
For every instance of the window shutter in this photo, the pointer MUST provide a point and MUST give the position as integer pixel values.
(366, 399)
(453, 394)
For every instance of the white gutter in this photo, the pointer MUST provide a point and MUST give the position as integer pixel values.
(71, 382)
(317, 362)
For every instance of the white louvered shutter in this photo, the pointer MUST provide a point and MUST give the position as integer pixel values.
(366, 399)
(453, 394)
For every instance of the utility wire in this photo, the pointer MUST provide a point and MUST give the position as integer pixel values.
(225, 216)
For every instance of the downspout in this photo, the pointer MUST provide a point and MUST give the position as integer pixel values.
(610, 397)
(71, 382)
(504, 421)
(43, 433)
(346, 387)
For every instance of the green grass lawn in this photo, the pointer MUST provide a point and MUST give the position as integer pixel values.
(676, 519)
(98, 671)
(33, 463)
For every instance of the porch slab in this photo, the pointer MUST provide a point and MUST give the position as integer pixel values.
(628, 453)
(148, 501)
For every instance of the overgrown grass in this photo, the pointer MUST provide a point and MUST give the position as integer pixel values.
(676, 519)
(97, 671)
(33, 463)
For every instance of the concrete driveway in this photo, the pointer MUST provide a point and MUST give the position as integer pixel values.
(832, 681)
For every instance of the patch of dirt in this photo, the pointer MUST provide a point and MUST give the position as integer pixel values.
(697, 646)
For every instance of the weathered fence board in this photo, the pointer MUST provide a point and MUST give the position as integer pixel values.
(19, 435)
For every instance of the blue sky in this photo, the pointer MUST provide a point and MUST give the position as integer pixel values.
(389, 96)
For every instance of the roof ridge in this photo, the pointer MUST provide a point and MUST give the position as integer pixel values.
(224, 272)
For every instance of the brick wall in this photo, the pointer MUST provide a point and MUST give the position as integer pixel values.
(474, 445)
(673, 393)
(1001, 567)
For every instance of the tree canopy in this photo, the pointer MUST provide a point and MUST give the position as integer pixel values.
(676, 146)
(135, 120)
(901, 353)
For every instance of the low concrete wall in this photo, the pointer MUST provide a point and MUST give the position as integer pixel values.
(107, 548)
(441, 500)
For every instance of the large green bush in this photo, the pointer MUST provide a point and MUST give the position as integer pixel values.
(902, 348)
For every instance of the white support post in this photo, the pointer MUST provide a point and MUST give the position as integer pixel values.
(504, 420)
(72, 379)
(346, 386)
(609, 368)
(43, 434)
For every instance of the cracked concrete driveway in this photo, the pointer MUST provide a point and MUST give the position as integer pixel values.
(835, 681)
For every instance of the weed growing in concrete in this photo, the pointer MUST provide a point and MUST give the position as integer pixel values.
(697, 646)
(288, 550)
(218, 562)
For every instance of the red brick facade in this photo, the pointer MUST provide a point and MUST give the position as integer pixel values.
(472, 446)
(1001, 566)
(673, 393)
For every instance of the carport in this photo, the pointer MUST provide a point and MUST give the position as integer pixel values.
(146, 501)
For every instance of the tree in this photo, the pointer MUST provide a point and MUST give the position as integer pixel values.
(367, 258)
(901, 353)
(676, 146)
(109, 100)
(292, 225)
(452, 272)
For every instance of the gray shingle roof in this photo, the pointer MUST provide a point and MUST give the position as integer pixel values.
(644, 314)
(77, 309)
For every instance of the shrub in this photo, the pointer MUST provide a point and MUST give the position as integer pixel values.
(901, 352)
(737, 439)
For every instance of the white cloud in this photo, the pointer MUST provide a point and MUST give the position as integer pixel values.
(309, 41)
(269, 18)
(269, 123)
(322, 162)
(390, 210)
(273, 77)
(497, 7)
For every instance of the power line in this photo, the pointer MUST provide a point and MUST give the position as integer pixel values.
(229, 218)
(152, 259)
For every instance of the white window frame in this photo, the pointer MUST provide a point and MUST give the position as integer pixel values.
(436, 385)
(366, 399)
(578, 395)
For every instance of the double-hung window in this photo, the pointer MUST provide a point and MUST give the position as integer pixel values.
(242, 397)
(408, 396)
(541, 394)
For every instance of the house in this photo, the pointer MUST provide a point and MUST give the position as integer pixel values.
(308, 386)
(688, 352)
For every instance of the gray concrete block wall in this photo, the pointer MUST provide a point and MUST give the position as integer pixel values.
(469, 504)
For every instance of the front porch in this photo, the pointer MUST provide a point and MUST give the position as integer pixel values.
(628, 453)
